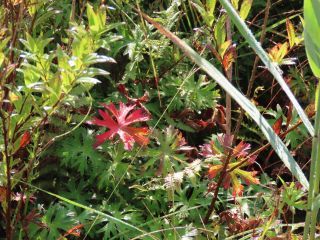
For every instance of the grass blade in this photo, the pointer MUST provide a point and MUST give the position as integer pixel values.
(271, 66)
(311, 33)
(274, 140)
(313, 194)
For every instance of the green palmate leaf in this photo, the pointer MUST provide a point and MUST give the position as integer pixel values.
(82, 154)
(57, 219)
(271, 66)
(311, 34)
(76, 204)
(274, 140)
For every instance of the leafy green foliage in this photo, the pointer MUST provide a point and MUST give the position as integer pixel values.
(55, 221)
(194, 94)
(60, 61)
(82, 154)
(166, 151)
(292, 196)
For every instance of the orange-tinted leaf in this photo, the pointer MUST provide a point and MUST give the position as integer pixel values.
(310, 110)
(233, 178)
(241, 150)
(74, 231)
(229, 57)
(277, 126)
(13, 97)
(237, 186)
(278, 52)
(214, 170)
(25, 140)
(248, 177)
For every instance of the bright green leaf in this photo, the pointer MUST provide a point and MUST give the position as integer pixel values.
(245, 9)
(311, 34)
(291, 33)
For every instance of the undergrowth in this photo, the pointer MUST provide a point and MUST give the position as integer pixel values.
(110, 131)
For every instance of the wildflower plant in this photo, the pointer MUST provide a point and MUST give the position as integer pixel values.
(168, 151)
(216, 152)
(134, 169)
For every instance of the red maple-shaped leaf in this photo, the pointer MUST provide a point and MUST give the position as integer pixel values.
(118, 122)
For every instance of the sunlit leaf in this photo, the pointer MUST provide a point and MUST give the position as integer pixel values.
(245, 8)
(291, 33)
(311, 34)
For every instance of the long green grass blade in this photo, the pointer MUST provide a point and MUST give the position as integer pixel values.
(313, 194)
(311, 35)
(274, 140)
(271, 66)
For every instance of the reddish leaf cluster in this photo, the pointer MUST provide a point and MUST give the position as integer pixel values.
(237, 224)
(220, 151)
(119, 122)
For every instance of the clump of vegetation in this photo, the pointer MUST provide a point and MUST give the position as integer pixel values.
(159, 119)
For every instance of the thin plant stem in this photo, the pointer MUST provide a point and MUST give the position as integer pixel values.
(154, 70)
(228, 73)
(312, 210)
(229, 77)
(237, 128)
(8, 175)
